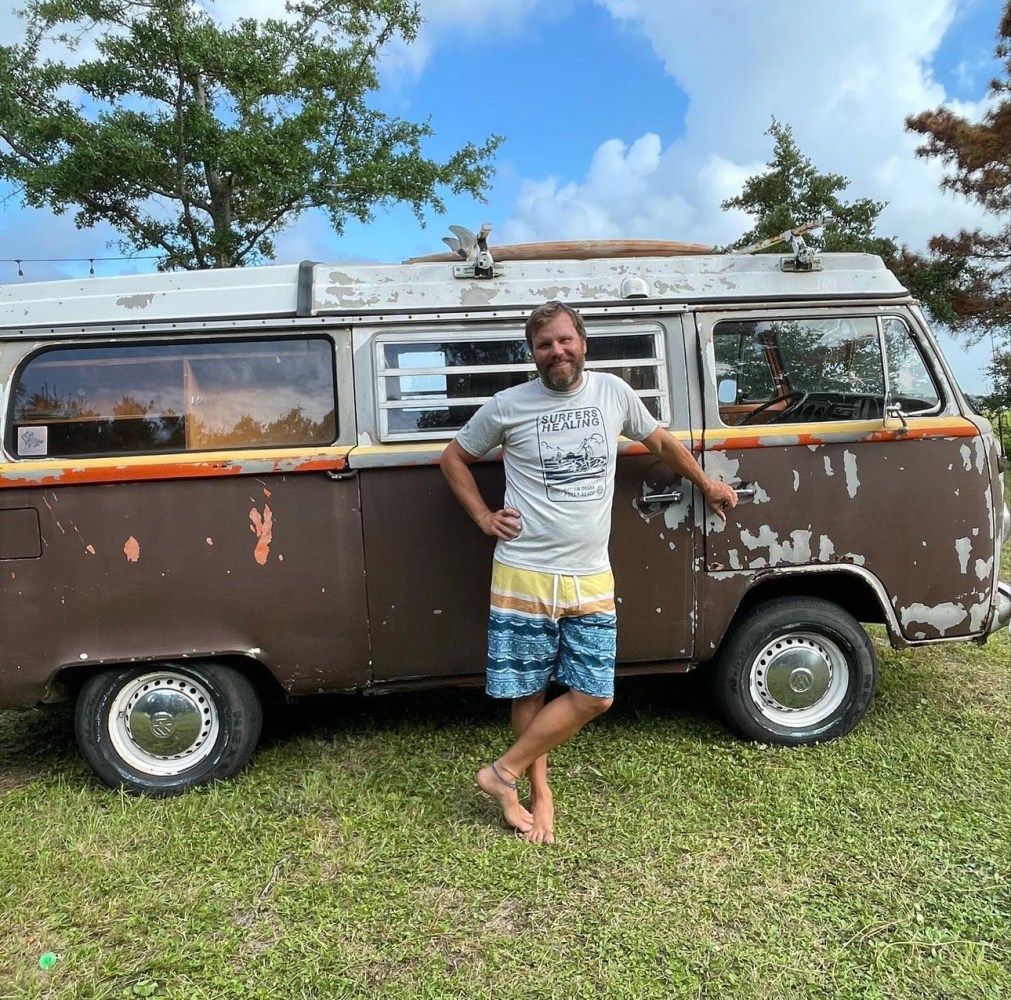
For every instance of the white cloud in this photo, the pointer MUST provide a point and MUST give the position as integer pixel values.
(843, 76)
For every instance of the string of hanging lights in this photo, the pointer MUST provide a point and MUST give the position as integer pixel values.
(91, 261)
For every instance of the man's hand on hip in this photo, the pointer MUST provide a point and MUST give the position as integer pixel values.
(504, 523)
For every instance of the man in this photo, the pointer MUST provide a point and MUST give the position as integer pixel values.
(552, 594)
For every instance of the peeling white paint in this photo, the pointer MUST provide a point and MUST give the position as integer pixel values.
(980, 455)
(795, 551)
(798, 549)
(676, 514)
(765, 538)
(850, 467)
(735, 559)
(984, 567)
(760, 495)
(720, 466)
(364, 440)
(966, 452)
(963, 546)
(826, 548)
(940, 617)
(855, 558)
(977, 615)
(796, 480)
(829, 471)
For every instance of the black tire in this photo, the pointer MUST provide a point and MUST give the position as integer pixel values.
(795, 670)
(162, 728)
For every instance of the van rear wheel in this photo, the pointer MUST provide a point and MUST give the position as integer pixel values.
(162, 728)
(795, 670)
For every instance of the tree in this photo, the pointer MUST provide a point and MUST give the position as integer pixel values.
(202, 141)
(974, 293)
(791, 191)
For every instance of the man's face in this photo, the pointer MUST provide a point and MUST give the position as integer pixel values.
(559, 353)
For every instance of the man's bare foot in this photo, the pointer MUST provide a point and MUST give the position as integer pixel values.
(543, 811)
(494, 782)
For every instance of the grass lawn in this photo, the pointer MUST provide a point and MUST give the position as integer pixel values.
(355, 859)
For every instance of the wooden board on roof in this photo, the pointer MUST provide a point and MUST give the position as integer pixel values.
(580, 250)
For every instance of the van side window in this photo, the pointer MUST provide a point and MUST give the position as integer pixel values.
(428, 389)
(806, 369)
(155, 397)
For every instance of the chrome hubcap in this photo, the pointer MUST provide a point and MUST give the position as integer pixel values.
(799, 679)
(163, 722)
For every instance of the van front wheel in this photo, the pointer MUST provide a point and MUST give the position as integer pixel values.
(162, 728)
(795, 670)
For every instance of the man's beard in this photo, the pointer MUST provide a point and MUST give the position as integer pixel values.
(555, 379)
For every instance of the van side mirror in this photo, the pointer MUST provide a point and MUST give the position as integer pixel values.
(895, 419)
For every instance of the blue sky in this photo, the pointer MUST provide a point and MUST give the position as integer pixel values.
(636, 118)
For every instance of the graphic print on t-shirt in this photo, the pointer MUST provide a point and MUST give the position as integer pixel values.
(573, 452)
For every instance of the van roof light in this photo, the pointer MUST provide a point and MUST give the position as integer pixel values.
(634, 287)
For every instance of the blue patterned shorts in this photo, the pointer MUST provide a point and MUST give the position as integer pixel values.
(544, 627)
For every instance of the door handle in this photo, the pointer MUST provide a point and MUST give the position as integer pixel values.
(671, 496)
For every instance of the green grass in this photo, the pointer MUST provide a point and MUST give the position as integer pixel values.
(355, 859)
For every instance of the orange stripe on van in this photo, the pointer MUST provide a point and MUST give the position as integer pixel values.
(778, 435)
(198, 465)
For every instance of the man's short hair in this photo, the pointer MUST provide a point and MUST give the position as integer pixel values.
(546, 312)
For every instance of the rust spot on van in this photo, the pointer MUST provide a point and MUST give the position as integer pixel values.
(131, 549)
(262, 527)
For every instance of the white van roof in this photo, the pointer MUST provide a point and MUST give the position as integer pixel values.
(357, 290)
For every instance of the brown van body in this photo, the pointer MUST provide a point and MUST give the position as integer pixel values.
(348, 565)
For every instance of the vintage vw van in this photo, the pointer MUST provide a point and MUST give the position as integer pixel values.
(221, 487)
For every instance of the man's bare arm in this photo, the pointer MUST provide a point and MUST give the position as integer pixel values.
(679, 459)
(455, 464)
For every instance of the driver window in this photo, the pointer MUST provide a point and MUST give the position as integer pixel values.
(800, 369)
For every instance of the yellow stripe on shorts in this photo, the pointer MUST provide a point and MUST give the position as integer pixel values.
(551, 595)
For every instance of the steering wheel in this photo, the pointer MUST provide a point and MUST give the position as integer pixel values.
(793, 399)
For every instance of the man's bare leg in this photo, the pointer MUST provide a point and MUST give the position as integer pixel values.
(558, 721)
(542, 804)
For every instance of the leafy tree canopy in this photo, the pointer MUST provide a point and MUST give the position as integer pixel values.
(790, 191)
(973, 295)
(201, 141)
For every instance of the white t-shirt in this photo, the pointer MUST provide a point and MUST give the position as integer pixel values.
(560, 453)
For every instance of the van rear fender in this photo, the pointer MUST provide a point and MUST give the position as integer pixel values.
(68, 679)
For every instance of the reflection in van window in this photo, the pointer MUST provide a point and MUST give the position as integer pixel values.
(144, 398)
(816, 369)
(430, 389)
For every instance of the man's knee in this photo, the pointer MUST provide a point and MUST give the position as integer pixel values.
(591, 706)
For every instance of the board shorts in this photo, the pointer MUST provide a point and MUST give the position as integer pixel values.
(546, 626)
